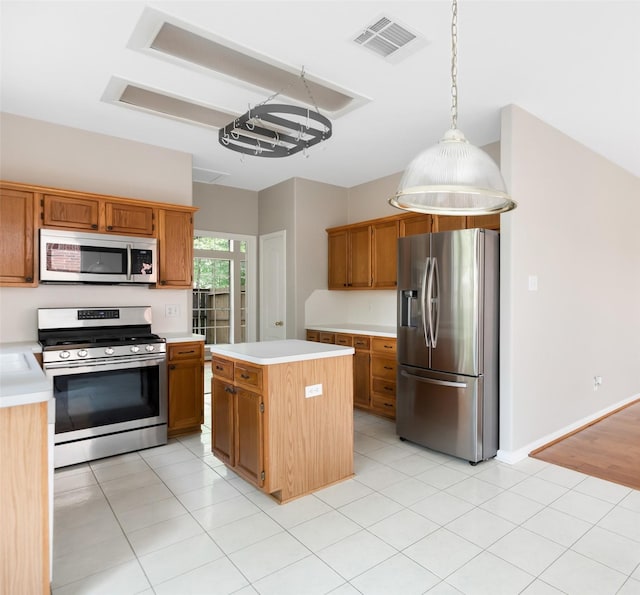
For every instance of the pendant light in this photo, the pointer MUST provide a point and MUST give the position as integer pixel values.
(453, 177)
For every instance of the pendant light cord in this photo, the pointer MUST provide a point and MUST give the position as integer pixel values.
(454, 65)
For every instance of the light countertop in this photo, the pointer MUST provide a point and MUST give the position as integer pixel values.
(22, 380)
(280, 352)
(181, 337)
(355, 329)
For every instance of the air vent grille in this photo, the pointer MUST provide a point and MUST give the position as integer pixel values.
(385, 37)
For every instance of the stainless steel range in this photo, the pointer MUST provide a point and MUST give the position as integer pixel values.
(109, 380)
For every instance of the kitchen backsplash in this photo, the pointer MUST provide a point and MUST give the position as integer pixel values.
(18, 306)
(355, 307)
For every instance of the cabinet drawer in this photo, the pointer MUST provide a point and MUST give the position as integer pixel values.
(361, 343)
(327, 338)
(384, 387)
(248, 375)
(384, 405)
(313, 336)
(383, 345)
(180, 351)
(222, 368)
(382, 367)
(346, 340)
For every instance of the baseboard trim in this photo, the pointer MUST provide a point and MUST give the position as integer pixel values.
(512, 457)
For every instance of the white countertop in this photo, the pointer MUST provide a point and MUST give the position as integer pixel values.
(280, 352)
(22, 381)
(181, 337)
(355, 329)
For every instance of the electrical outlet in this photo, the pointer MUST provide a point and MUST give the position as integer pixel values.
(171, 310)
(314, 390)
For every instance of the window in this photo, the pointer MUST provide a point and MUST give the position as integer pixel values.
(222, 294)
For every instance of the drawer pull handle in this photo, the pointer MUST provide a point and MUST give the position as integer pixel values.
(229, 389)
(191, 351)
(388, 368)
(388, 346)
(245, 376)
(388, 388)
(388, 404)
(220, 368)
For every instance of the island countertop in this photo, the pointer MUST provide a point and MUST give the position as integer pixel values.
(280, 352)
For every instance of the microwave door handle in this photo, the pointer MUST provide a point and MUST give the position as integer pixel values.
(423, 302)
(128, 262)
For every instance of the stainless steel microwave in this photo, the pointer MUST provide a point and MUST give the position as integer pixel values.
(74, 257)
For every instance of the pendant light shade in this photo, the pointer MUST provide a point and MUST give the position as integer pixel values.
(453, 177)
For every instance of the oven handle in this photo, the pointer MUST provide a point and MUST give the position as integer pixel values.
(81, 367)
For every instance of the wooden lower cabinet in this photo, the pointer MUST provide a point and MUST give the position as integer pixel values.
(264, 428)
(374, 369)
(185, 387)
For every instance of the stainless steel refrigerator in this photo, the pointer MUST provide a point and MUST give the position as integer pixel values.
(448, 300)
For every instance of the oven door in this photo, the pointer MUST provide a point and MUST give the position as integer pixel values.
(108, 398)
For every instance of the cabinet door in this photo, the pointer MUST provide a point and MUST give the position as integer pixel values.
(175, 239)
(186, 395)
(222, 420)
(248, 434)
(415, 225)
(360, 257)
(70, 212)
(338, 248)
(361, 379)
(447, 223)
(128, 219)
(385, 251)
(484, 221)
(17, 240)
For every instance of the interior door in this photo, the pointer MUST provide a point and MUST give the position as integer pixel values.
(273, 286)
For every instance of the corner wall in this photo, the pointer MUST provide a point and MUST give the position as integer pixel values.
(575, 230)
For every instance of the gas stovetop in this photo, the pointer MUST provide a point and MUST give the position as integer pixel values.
(75, 334)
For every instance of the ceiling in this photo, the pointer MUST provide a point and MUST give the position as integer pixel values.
(574, 64)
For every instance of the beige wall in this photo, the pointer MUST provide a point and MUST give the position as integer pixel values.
(575, 229)
(225, 209)
(371, 199)
(46, 154)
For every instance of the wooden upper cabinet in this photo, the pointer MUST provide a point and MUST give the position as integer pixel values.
(127, 219)
(94, 213)
(385, 254)
(447, 223)
(484, 221)
(350, 258)
(415, 224)
(70, 212)
(17, 239)
(175, 247)
(360, 257)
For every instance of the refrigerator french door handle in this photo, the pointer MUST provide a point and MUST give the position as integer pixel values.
(424, 300)
(434, 297)
(434, 381)
(431, 303)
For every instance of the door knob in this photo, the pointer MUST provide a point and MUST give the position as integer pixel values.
(279, 323)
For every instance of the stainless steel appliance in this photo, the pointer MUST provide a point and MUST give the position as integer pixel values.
(109, 377)
(448, 300)
(75, 257)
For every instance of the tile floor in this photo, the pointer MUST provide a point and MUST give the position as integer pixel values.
(172, 521)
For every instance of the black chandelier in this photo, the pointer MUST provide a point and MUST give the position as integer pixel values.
(276, 130)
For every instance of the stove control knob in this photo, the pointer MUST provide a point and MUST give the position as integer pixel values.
(83, 353)
(149, 347)
(109, 350)
(64, 354)
(135, 349)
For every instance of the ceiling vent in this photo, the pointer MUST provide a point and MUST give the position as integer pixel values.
(206, 176)
(386, 37)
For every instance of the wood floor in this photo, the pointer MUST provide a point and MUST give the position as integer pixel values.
(609, 448)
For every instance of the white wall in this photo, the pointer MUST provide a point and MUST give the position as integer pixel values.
(46, 154)
(225, 209)
(575, 229)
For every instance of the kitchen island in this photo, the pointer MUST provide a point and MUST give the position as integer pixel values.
(282, 414)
